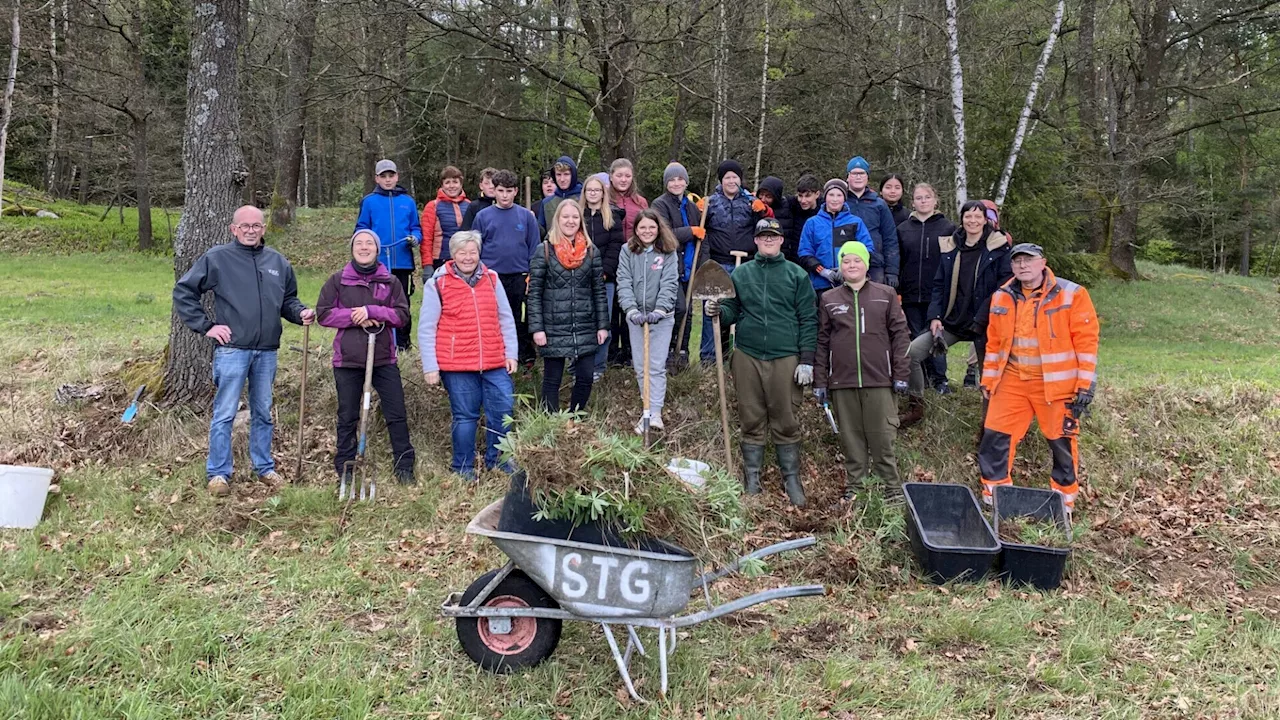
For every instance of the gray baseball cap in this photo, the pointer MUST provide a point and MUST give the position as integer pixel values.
(1027, 249)
(384, 166)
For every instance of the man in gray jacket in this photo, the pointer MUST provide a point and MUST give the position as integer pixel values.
(253, 287)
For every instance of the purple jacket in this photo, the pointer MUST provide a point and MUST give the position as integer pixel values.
(385, 299)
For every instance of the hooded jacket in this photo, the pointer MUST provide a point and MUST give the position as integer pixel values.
(549, 204)
(900, 213)
(480, 203)
(878, 218)
(466, 323)
(992, 271)
(384, 298)
(393, 216)
(648, 281)
(253, 287)
(774, 310)
(609, 242)
(799, 217)
(781, 210)
(920, 247)
(823, 235)
(682, 216)
(441, 218)
(862, 338)
(567, 304)
(731, 225)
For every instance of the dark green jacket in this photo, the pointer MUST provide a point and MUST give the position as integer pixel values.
(568, 305)
(774, 310)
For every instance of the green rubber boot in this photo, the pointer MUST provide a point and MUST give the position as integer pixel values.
(789, 462)
(752, 462)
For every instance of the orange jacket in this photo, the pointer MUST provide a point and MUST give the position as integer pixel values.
(438, 228)
(1066, 328)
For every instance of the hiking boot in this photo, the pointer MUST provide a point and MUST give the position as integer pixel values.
(914, 413)
(971, 377)
(271, 476)
(218, 486)
(789, 463)
(406, 477)
(752, 463)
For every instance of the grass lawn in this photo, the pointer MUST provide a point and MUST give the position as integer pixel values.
(138, 596)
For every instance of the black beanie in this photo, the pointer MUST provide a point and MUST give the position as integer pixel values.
(729, 166)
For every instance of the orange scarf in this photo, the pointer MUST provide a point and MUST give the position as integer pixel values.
(570, 254)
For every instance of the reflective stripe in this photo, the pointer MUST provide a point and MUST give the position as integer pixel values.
(1086, 375)
(1061, 375)
(990, 373)
(1058, 357)
(1088, 357)
(1028, 360)
(1026, 342)
(992, 357)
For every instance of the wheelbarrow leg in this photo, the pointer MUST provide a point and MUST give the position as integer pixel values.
(634, 639)
(622, 665)
(662, 658)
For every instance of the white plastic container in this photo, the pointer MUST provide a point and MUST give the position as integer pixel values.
(690, 471)
(22, 494)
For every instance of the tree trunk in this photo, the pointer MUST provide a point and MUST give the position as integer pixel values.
(764, 90)
(55, 103)
(1091, 128)
(1019, 135)
(215, 174)
(957, 102)
(294, 112)
(15, 40)
(1246, 235)
(616, 61)
(142, 181)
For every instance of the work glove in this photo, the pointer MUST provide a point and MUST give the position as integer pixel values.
(891, 280)
(655, 317)
(757, 206)
(711, 308)
(702, 204)
(821, 395)
(831, 275)
(1080, 406)
(900, 387)
(635, 317)
(939, 347)
(699, 232)
(804, 374)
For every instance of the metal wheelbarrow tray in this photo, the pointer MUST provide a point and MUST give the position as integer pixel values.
(511, 618)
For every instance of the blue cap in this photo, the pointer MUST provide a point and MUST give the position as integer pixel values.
(857, 163)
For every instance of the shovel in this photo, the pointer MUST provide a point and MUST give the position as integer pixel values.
(646, 418)
(711, 282)
(688, 300)
(359, 468)
(131, 412)
(302, 400)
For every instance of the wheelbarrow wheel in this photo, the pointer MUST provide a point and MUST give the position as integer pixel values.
(529, 640)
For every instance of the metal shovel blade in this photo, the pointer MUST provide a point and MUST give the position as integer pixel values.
(131, 412)
(711, 282)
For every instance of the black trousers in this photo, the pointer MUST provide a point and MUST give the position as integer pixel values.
(515, 285)
(404, 334)
(386, 382)
(553, 373)
(935, 368)
(681, 344)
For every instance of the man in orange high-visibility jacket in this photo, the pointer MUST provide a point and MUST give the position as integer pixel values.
(1041, 363)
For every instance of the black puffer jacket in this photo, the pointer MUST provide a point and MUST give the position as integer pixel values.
(608, 242)
(920, 249)
(782, 213)
(568, 305)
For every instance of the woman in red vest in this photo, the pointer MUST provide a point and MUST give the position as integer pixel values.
(467, 336)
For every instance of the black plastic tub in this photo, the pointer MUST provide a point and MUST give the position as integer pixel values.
(1034, 565)
(949, 534)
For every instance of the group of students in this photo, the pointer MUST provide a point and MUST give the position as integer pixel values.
(837, 287)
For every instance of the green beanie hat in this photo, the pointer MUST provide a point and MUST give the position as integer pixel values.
(857, 248)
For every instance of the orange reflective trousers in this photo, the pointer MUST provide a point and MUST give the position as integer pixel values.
(1014, 404)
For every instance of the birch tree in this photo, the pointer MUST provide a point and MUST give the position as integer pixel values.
(957, 103)
(15, 40)
(764, 93)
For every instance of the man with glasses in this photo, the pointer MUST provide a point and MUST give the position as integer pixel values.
(392, 214)
(253, 287)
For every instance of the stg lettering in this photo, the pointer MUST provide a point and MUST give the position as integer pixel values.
(577, 577)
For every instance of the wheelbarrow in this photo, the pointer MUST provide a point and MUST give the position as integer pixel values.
(510, 618)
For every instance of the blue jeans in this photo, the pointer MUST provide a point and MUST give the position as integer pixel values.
(232, 368)
(467, 392)
(602, 355)
(706, 350)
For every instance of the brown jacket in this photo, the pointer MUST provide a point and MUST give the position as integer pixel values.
(862, 338)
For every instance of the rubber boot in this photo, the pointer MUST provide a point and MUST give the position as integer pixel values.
(752, 462)
(914, 413)
(789, 463)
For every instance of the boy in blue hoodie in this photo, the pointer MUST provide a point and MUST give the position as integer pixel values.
(509, 236)
(392, 214)
(565, 172)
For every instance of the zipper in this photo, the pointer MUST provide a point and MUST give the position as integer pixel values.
(257, 273)
(859, 325)
(475, 303)
(391, 215)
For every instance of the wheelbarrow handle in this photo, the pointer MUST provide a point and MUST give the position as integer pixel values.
(743, 603)
(786, 546)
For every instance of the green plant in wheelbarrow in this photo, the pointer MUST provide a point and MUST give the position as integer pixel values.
(1032, 530)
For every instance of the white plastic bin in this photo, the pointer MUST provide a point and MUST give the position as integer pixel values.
(22, 494)
(690, 471)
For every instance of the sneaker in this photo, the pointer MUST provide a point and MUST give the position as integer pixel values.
(271, 476)
(640, 426)
(655, 422)
(597, 377)
(218, 486)
(943, 388)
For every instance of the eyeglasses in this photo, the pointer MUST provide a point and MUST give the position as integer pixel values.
(251, 227)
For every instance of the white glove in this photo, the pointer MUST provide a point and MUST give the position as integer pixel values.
(804, 374)
(831, 275)
(711, 308)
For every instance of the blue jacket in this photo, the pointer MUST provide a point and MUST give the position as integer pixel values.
(878, 218)
(393, 217)
(823, 235)
(731, 225)
(508, 238)
(547, 206)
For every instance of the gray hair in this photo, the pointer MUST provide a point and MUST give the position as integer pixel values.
(461, 238)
